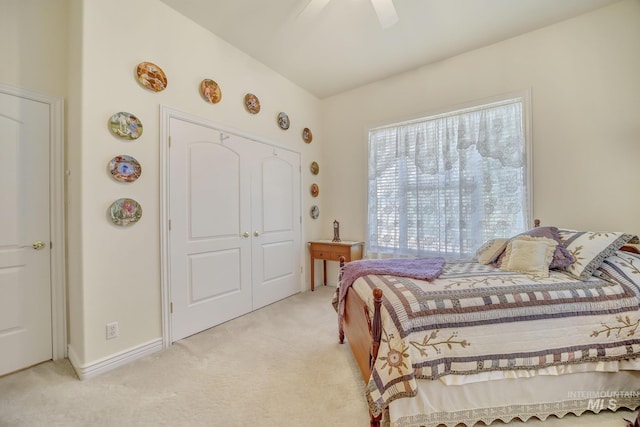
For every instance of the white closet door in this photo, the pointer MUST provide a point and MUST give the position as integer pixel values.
(276, 225)
(25, 263)
(210, 187)
(235, 226)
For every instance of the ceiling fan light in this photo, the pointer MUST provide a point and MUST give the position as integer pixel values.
(386, 12)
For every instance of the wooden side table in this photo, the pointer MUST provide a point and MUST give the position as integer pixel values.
(326, 250)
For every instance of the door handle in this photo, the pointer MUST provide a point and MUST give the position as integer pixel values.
(37, 245)
(245, 234)
(256, 233)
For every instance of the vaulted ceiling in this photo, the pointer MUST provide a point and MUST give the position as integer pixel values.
(342, 45)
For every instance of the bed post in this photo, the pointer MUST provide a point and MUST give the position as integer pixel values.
(376, 336)
(340, 328)
(376, 325)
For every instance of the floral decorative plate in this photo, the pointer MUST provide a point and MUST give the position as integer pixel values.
(283, 121)
(252, 103)
(125, 168)
(315, 169)
(210, 91)
(151, 76)
(315, 212)
(315, 190)
(307, 136)
(125, 212)
(125, 125)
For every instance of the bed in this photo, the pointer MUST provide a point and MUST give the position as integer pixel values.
(514, 334)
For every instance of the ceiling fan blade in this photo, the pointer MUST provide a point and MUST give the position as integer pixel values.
(313, 8)
(386, 12)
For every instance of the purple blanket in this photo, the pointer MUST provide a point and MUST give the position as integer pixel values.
(423, 269)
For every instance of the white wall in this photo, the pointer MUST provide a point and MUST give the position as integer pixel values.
(33, 47)
(584, 78)
(34, 52)
(119, 268)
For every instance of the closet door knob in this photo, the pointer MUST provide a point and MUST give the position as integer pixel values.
(256, 233)
(245, 234)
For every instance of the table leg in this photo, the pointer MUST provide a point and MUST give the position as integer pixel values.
(324, 264)
(312, 272)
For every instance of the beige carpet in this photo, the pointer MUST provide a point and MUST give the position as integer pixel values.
(279, 366)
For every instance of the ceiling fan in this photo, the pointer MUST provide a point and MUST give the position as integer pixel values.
(385, 10)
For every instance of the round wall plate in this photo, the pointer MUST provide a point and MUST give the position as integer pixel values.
(252, 103)
(283, 121)
(125, 125)
(315, 168)
(315, 212)
(307, 136)
(151, 76)
(210, 91)
(125, 212)
(125, 168)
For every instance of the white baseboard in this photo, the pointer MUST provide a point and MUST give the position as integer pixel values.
(107, 364)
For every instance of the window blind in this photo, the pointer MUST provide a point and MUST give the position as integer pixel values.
(445, 184)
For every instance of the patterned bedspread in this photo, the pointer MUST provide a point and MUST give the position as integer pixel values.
(475, 318)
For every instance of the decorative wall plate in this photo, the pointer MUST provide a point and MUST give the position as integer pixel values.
(151, 76)
(315, 212)
(125, 168)
(315, 190)
(252, 103)
(125, 125)
(283, 121)
(210, 91)
(307, 136)
(125, 212)
(315, 169)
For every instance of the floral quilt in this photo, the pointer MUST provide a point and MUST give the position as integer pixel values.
(476, 318)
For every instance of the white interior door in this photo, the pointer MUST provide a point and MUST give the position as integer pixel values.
(210, 255)
(25, 278)
(276, 225)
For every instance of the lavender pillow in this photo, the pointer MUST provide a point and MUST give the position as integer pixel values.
(561, 257)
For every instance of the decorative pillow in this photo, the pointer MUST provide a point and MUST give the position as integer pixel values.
(561, 257)
(530, 255)
(622, 267)
(491, 250)
(590, 249)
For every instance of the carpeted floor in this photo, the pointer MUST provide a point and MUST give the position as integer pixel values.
(278, 366)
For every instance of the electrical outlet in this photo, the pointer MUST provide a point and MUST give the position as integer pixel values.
(112, 330)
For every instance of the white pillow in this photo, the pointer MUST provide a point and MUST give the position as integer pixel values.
(591, 248)
(491, 250)
(530, 255)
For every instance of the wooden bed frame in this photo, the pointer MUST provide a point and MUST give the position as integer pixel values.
(364, 334)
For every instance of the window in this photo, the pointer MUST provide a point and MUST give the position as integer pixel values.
(445, 184)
